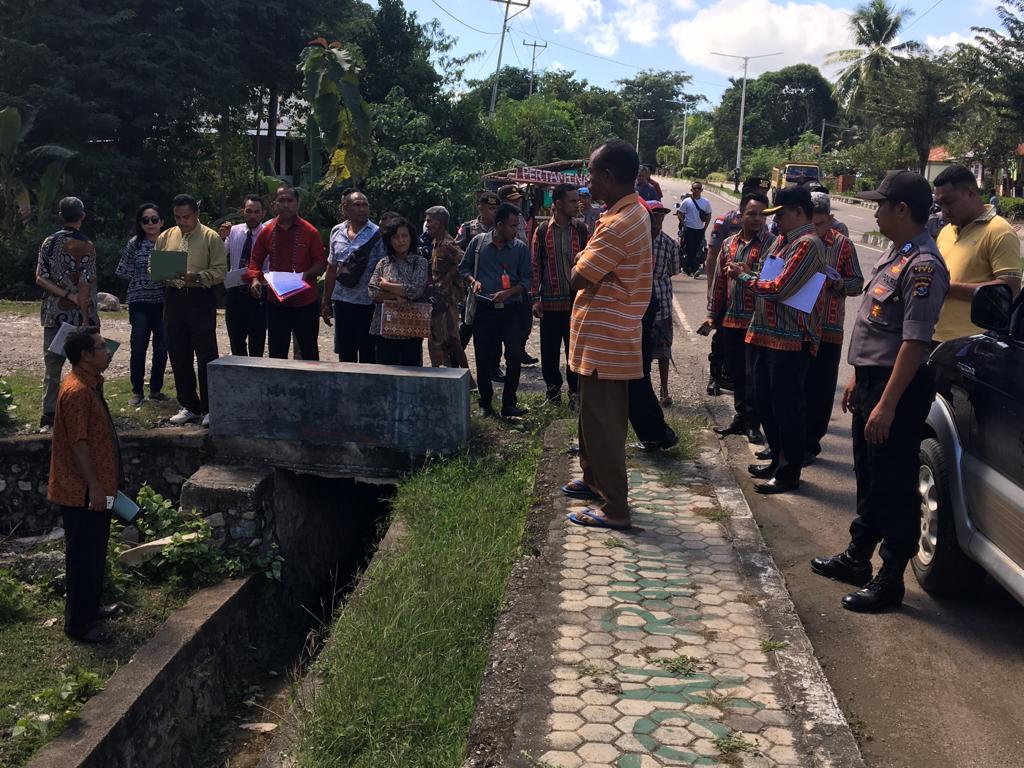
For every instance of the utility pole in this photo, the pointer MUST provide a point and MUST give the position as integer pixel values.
(533, 64)
(743, 97)
(682, 152)
(638, 121)
(501, 46)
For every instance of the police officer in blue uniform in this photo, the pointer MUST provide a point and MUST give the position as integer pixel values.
(890, 394)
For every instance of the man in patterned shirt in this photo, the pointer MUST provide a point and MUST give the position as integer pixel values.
(66, 271)
(444, 344)
(725, 226)
(785, 338)
(843, 279)
(730, 309)
(666, 264)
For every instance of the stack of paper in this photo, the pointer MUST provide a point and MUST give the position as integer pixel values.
(285, 284)
(804, 299)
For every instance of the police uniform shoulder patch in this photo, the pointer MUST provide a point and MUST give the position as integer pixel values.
(907, 248)
(922, 286)
(923, 269)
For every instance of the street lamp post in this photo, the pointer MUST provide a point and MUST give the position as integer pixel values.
(638, 121)
(682, 152)
(743, 97)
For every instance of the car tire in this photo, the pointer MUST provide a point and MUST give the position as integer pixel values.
(941, 567)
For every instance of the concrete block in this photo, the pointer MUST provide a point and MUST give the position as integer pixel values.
(341, 419)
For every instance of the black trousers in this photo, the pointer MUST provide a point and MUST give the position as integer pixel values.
(85, 559)
(739, 360)
(693, 239)
(526, 321)
(147, 319)
(246, 319)
(491, 329)
(820, 393)
(779, 383)
(554, 343)
(190, 320)
(283, 321)
(888, 501)
(352, 339)
(399, 351)
(645, 414)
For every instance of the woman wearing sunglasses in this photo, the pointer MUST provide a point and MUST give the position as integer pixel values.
(145, 305)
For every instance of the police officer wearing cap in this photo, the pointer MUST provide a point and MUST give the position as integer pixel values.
(890, 394)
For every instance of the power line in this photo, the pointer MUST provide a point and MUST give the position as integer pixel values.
(467, 26)
(918, 18)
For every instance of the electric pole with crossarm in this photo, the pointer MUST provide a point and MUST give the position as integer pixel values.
(533, 64)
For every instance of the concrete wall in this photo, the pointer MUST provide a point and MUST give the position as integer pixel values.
(161, 457)
(339, 419)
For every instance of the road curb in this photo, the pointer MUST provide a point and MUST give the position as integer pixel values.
(826, 732)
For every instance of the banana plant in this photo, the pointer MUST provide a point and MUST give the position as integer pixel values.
(15, 197)
(339, 121)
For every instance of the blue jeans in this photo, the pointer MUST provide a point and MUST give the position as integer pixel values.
(147, 319)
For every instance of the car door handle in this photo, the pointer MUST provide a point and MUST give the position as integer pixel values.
(965, 368)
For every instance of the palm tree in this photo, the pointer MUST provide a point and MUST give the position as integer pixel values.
(876, 26)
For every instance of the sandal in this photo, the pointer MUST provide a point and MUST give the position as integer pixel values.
(577, 489)
(587, 519)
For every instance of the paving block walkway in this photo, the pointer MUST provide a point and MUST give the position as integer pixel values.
(662, 654)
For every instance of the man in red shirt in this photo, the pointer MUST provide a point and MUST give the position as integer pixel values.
(289, 243)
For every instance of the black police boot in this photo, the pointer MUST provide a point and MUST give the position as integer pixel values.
(846, 567)
(884, 591)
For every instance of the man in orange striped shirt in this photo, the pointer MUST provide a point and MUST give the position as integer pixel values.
(613, 278)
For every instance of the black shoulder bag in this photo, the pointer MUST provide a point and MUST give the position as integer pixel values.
(351, 270)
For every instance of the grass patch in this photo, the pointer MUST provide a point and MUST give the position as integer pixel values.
(769, 644)
(19, 308)
(27, 392)
(45, 678)
(714, 699)
(668, 464)
(716, 515)
(684, 666)
(403, 664)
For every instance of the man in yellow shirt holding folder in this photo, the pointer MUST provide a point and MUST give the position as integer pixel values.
(190, 311)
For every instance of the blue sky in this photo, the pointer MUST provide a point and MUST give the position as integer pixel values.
(605, 40)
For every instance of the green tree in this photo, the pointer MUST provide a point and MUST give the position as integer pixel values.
(702, 154)
(20, 172)
(781, 106)
(656, 95)
(876, 29)
(916, 98)
(539, 130)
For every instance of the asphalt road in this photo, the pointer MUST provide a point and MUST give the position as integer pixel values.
(936, 685)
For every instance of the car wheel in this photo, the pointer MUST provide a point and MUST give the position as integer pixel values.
(941, 567)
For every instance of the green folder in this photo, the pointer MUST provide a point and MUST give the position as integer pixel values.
(112, 346)
(167, 265)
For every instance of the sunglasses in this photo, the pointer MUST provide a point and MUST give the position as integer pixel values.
(150, 219)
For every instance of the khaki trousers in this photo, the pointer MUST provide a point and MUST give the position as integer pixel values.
(603, 425)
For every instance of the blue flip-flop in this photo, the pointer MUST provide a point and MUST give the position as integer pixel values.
(574, 493)
(596, 522)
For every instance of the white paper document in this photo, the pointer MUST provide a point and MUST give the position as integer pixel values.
(284, 284)
(233, 279)
(805, 298)
(57, 345)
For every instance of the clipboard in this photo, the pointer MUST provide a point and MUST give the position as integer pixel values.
(167, 265)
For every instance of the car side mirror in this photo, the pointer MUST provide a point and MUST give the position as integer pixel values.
(990, 307)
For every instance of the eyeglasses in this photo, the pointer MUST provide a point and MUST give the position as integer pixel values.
(150, 219)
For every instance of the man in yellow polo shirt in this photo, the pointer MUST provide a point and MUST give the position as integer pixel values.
(978, 245)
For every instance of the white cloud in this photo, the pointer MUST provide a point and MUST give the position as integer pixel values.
(603, 39)
(571, 15)
(804, 32)
(937, 43)
(633, 22)
(557, 66)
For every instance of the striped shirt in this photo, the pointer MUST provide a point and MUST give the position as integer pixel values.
(605, 333)
(776, 325)
(728, 299)
(841, 255)
(666, 264)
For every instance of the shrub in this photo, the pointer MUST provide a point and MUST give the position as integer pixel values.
(1011, 207)
(53, 707)
(13, 603)
(6, 401)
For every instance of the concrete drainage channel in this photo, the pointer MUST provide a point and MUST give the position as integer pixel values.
(161, 709)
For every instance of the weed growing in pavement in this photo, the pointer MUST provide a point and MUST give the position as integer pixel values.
(768, 645)
(586, 669)
(716, 515)
(733, 744)
(535, 762)
(684, 666)
(614, 543)
(715, 699)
